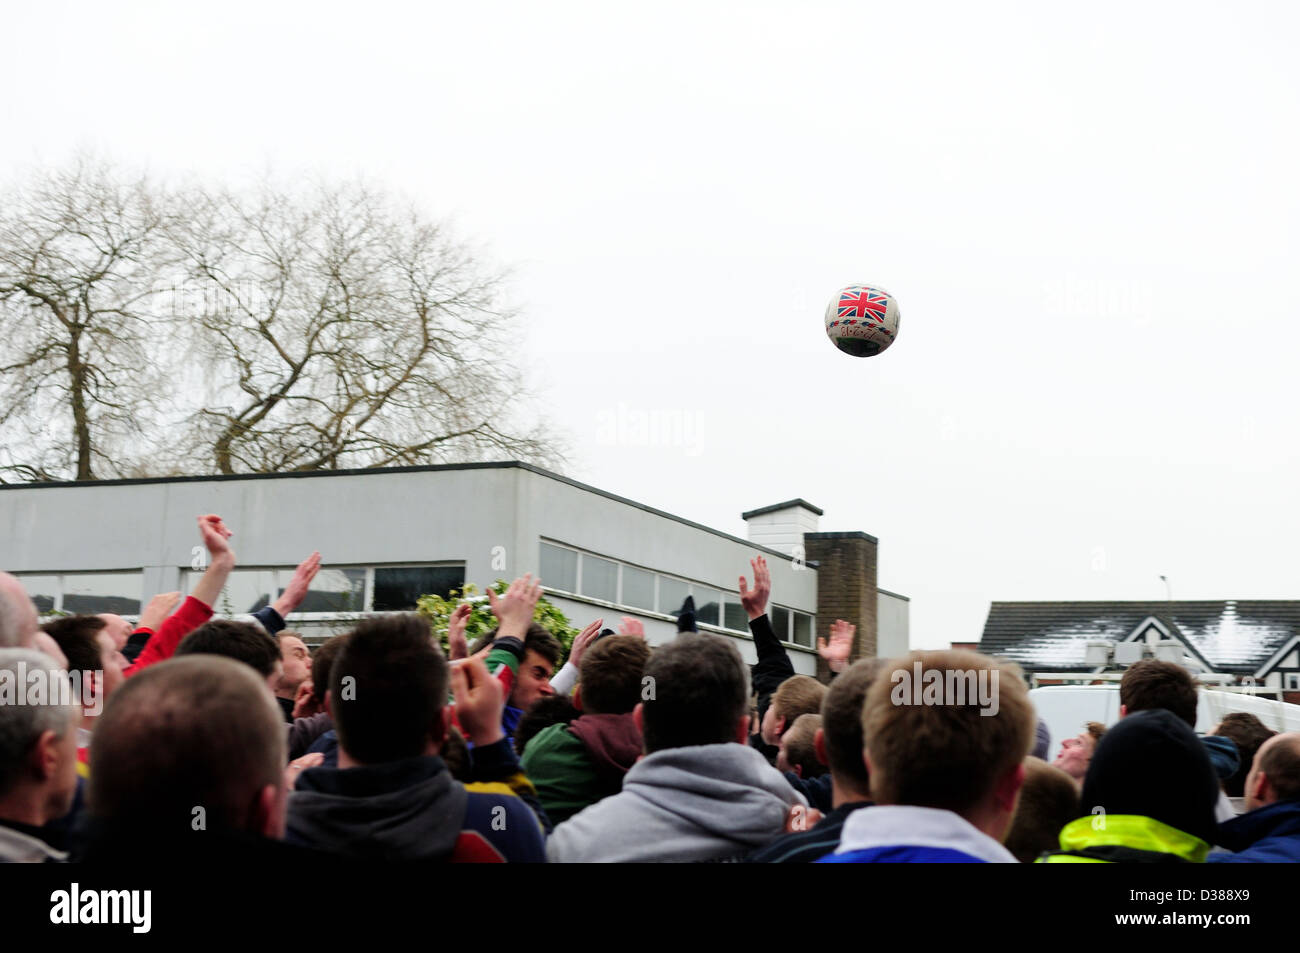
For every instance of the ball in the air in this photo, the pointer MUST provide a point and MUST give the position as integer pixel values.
(862, 320)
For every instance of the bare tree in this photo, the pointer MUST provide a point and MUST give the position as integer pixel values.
(342, 329)
(80, 252)
(148, 331)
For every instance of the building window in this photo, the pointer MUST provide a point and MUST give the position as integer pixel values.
(336, 590)
(638, 588)
(672, 593)
(116, 592)
(599, 578)
(398, 587)
(708, 606)
(781, 622)
(803, 629)
(559, 568)
(735, 617)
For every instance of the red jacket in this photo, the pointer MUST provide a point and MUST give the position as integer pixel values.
(162, 644)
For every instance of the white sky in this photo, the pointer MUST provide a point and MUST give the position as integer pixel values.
(1088, 216)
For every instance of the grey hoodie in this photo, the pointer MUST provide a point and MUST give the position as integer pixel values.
(705, 802)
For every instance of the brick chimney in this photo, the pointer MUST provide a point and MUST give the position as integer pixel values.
(846, 587)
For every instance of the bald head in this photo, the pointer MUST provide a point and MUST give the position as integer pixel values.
(1275, 774)
(18, 620)
(195, 732)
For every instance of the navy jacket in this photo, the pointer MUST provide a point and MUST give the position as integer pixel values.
(1266, 835)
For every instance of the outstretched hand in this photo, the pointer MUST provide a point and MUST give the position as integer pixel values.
(583, 641)
(755, 600)
(514, 609)
(837, 652)
(457, 644)
(631, 626)
(480, 701)
(296, 591)
(215, 535)
(157, 610)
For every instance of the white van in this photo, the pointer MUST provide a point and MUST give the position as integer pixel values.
(1067, 708)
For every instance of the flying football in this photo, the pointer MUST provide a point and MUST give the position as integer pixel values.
(862, 320)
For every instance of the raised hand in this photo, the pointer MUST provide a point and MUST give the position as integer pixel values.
(837, 652)
(457, 644)
(631, 626)
(215, 535)
(755, 600)
(159, 607)
(480, 700)
(304, 700)
(515, 608)
(298, 586)
(583, 640)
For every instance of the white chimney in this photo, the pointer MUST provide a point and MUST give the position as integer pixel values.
(782, 525)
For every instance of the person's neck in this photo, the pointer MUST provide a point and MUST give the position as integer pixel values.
(26, 805)
(843, 793)
(347, 761)
(288, 693)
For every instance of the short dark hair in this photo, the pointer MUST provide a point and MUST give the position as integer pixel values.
(241, 641)
(609, 680)
(699, 692)
(538, 638)
(322, 661)
(842, 720)
(546, 711)
(1248, 733)
(1049, 799)
(1281, 765)
(189, 731)
(388, 687)
(1152, 683)
(76, 636)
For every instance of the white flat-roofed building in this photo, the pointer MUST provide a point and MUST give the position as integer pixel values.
(387, 536)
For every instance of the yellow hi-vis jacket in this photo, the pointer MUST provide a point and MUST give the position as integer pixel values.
(1125, 838)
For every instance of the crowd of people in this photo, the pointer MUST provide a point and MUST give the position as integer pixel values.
(191, 736)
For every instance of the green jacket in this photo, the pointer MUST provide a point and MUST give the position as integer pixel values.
(560, 768)
(1125, 839)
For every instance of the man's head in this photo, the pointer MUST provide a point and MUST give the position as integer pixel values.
(1155, 684)
(541, 654)
(90, 650)
(1049, 799)
(798, 753)
(840, 745)
(295, 660)
(1151, 764)
(609, 680)
(322, 662)
(960, 749)
(118, 629)
(38, 740)
(197, 731)
(797, 695)
(388, 689)
(242, 641)
(1076, 752)
(699, 694)
(1275, 773)
(19, 622)
(1248, 733)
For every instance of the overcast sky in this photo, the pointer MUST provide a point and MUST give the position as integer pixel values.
(1088, 217)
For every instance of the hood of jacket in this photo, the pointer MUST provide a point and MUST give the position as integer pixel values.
(903, 825)
(402, 810)
(703, 802)
(1278, 820)
(612, 741)
(1126, 838)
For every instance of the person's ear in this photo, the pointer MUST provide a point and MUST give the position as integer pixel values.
(797, 769)
(819, 747)
(1123, 710)
(577, 697)
(638, 718)
(442, 728)
(866, 760)
(1008, 788)
(329, 704)
(44, 759)
(742, 729)
(1263, 790)
(268, 812)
